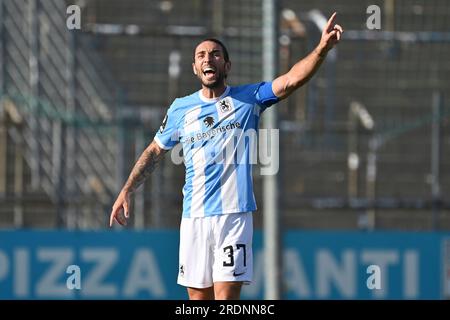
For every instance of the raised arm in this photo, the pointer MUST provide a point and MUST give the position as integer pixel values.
(142, 169)
(304, 69)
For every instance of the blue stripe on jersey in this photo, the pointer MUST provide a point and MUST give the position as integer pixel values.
(246, 196)
(213, 186)
(187, 196)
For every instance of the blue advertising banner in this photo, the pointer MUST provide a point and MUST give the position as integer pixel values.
(144, 265)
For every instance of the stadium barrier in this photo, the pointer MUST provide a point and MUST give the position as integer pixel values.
(144, 265)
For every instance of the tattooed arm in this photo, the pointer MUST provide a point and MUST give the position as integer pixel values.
(142, 169)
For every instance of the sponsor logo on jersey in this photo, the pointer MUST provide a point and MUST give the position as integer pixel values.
(211, 133)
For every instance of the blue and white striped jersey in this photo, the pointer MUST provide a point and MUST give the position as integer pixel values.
(219, 139)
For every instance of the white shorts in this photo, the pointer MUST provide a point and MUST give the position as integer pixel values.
(215, 249)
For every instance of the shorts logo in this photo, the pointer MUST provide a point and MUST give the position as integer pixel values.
(181, 270)
(163, 124)
(238, 274)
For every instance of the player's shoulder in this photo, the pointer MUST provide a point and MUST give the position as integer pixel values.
(180, 103)
(249, 88)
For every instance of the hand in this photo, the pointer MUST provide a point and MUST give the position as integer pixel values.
(120, 211)
(331, 35)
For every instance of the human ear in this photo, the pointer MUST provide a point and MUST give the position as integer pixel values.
(228, 66)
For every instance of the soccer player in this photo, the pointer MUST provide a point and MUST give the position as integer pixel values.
(215, 253)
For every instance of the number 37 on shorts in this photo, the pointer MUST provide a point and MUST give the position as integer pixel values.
(216, 249)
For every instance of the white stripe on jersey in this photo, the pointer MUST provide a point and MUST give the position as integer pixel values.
(198, 182)
(191, 122)
(229, 186)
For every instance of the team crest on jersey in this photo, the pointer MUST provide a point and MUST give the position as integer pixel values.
(225, 105)
(163, 124)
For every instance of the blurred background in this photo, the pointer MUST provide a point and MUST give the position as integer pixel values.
(364, 146)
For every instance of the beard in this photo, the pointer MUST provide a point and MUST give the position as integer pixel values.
(211, 84)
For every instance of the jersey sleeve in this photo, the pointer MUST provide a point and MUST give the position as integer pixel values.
(264, 95)
(168, 136)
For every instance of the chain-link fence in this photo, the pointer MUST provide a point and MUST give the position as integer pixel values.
(358, 148)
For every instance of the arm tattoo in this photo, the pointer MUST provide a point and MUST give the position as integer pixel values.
(144, 166)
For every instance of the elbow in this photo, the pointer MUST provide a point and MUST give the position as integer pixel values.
(292, 83)
(286, 84)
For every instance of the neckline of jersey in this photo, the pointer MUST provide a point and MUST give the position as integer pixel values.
(204, 99)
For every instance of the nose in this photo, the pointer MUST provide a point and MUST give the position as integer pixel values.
(209, 57)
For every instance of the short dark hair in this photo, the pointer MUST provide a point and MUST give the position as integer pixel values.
(224, 49)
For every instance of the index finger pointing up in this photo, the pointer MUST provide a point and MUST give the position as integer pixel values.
(331, 21)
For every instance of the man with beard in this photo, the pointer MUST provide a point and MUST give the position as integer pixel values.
(215, 254)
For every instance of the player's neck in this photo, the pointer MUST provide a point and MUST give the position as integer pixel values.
(211, 93)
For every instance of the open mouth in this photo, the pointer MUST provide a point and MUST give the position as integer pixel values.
(209, 72)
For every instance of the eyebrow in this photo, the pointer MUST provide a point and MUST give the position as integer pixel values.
(213, 51)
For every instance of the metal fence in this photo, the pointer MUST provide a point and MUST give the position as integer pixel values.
(329, 152)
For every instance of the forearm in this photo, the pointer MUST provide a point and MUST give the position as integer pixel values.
(299, 74)
(303, 70)
(144, 167)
